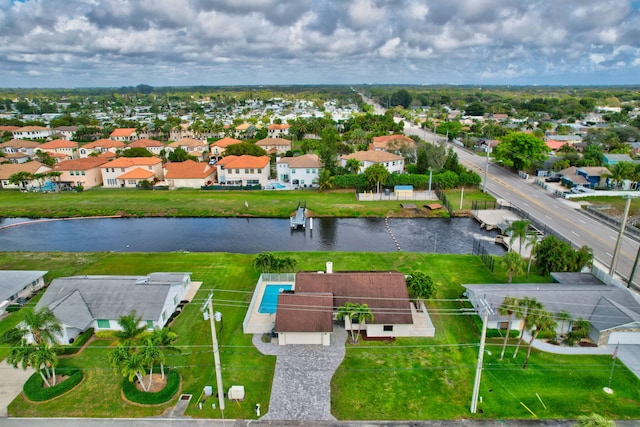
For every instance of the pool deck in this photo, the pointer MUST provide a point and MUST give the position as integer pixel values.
(259, 323)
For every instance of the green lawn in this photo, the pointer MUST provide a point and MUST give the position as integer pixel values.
(191, 203)
(468, 196)
(413, 378)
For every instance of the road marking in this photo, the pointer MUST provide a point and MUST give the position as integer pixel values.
(613, 237)
(609, 254)
(549, 217)
(582, 221)
(575, 233)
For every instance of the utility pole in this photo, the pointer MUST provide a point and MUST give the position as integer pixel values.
(616, 252)
(209, 314)
(486, 168)
(476, 382)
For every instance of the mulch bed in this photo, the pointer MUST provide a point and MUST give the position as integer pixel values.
(366, 338)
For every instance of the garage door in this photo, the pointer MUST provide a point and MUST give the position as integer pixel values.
(624, 338)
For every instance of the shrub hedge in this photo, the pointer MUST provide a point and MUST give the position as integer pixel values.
(77, 344)
(495, 333)
(35, 391)
(147, 398)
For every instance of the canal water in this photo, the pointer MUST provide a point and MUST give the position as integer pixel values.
(246, 235)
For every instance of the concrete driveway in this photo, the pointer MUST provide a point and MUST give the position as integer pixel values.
(630, 356)
(12, 381)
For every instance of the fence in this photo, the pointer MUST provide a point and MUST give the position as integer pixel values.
(445, 202)
(485, 256)
(477, 205)
(630, 230)
(231, 187)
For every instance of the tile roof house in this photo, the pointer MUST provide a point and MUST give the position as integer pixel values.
(219, 147)
(124, 134)
(275, 130)
(302, 170)
(393, 162)
(155, 147)
(9, 169)
(100, 146)
(19, 150)
(65, 132)
(274, 145)
(305, 315)
(588, 176)
(244, 170)
(85, 172)
(32, 132)
(60, 149)
(613, 313)
(83, 302)
(128, 172)
(392, 143)
(189, 174)
(17, 286)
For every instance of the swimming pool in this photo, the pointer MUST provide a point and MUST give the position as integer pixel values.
(269, 301)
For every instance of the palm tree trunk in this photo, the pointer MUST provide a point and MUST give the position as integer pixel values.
(141, 381)
(150, 375)
(44, 378)
(526, 359)
(515, 353)
(506, 337)
(162, 370)
(53, 371)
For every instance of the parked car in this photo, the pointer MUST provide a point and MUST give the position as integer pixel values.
(553, 179)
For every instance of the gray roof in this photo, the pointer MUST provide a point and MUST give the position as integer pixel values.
(13, 281)
(78, 300)
(605, 307)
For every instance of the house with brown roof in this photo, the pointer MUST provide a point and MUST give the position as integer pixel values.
(303, 171)
(60, 149)
(276, 130)
(65, 132)
(195, 147)
(394, 163)
(128, 172)
(124, 135)
(85, 172)
(101, 146)
(243, 170)
(19, 150)
(392, 143)
(9, 169)
(305, 314)
(32, 132)
(154, 147)
(189, 174)
(180, 131)
(218, 148)
(274, 145)
(9, 129)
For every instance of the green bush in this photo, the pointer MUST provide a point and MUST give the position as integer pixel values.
(350, 181)
(13, 308)
(499, 333)
(35, 391)
(146, 398)
(77, 344)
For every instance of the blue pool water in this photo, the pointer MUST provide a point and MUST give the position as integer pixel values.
(269, 301)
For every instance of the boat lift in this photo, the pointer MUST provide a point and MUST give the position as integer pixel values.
(299, 219)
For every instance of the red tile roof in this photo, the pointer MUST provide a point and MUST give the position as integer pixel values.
(105, 143)
(226, 141)
(188, 170)
(268, 142)
(122, 132)
(304, 161)
(244, 161)
(373, 156)
(58, 143)
(137, 173)
(8, 169)
(20, 143)
(145, 143)
(8, 128)
(127, 162)
(80, 164)
(276, 126)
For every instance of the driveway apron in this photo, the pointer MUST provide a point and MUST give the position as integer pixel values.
(301, 388)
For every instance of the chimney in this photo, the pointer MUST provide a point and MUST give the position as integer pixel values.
(329, 267)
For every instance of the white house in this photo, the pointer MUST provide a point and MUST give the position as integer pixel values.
(392, 162)
(188, 174)
(83, 302)
(19, 150)
(101, 146)
(244, 170)
(128, 172)
(276, 130)
(274, 145)
(85, 172)
(17, 286)
(302, 170)
(154, 147)
(32, 132)
(220, 146)
(60, 149)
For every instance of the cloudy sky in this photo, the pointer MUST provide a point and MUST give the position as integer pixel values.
(79, 43)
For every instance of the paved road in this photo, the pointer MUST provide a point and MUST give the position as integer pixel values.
(561, 215)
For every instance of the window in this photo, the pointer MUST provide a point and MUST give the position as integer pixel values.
(164, 315)
(150, 324)
(72, 173)
(83, 173)
(175, 300)
(307, 170)
(132, 182)
(246, 171)
(237, 171)
(103, 324)
(387, 328)
(150, 168)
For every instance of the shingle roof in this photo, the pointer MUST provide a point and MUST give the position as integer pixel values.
(13, 281)
(188, 169)
(108, 297)
(384, 292)
(304, 312)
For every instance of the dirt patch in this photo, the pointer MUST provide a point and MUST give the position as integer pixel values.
(157, 383)
(59, 379)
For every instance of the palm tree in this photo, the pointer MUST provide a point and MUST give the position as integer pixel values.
(20, 355)
(164, 339)
(518, 230)
(20, 178)
(150, 354)
(353, 166)
(56, 175)
(507, 308)
(541, 320)
(130, 327)
(532, 242)
(264, 262)
(129, 363)
(513, 264)
(526, 305)
(42, 358)
(41, 324)
(356, 313)
(325, 180)
(358, 136)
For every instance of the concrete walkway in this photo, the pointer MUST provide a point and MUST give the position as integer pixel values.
(627, 354)
(12, 381)
(301, 388)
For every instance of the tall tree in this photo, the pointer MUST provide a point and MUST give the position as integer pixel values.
(513, 264)
(521, 150)
(129, 363)
(420, 286)
(507, 308)
(42, 325)
(541, 320)
(353, 166)
(164, 339)
(518, 230)
(526, 306)
(130, 327)
(376, 175)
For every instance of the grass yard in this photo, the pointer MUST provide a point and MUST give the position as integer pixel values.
(412, 378)
(192, 203)
(469, 196)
